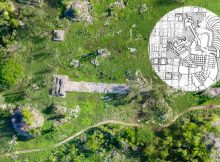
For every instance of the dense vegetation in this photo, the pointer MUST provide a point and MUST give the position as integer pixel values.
(8, 23)
(184, 141)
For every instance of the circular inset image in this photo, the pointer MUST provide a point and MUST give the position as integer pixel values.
(184, 48)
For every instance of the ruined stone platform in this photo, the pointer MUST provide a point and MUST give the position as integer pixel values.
(62, 84)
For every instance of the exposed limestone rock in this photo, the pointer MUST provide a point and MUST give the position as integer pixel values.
(35, 87)
(13, 47)
(75, 112)
(3, 106)
(66, 113)
(213, 92)
(118, 3)
(133, 50)
(212, 138)
(95, 62)
(25, 120)
(60, 110)
(79, 10)
(75, 63)
(103, 52)
(143, 8)
(114, 8)
(37, 119)
(60, 122)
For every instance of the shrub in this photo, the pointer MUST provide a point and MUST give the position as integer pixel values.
(27, 117)
(9, 23)
(10, 73)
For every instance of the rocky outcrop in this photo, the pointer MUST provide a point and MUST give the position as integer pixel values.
(22, 126)
(213, 92)
(79, 10)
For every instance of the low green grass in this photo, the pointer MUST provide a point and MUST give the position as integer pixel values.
(213, 101)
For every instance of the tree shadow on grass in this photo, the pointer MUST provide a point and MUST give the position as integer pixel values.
(23, 138)
(38, 39)
(56, 117)
(49, 109)
(45, 71)
(14, 97)
(54, 3)
(41, 55)
(41, 76)
(163, 2)
(47, 131)
(116, 99)
(201, 98)
(6, 127)
(88, 57)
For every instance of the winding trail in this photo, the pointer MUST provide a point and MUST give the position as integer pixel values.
(73, 136)
(97, 125)
(207, 107)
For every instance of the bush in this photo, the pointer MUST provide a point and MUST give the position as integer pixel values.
(10, 73)
(217, 130)
(9, 23)
(27, 117)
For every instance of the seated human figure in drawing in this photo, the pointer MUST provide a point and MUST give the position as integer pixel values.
(200, 73)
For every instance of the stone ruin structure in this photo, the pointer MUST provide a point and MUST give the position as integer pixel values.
(59, 85)
(58, 35)
(62, 84)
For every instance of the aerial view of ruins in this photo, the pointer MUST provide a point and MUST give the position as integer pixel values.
(110, 81)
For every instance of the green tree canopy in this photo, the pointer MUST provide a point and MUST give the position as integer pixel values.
(8, 23)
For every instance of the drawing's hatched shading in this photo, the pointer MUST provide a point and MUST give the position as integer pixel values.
(185, 48)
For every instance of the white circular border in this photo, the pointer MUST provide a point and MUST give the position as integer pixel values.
(184, 48)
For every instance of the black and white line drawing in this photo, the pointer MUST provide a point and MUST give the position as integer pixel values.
(184, 48)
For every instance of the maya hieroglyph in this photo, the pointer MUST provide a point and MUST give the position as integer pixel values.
(184, 48)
